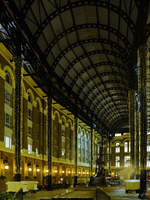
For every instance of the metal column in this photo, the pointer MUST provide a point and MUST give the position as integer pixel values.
(49, 142)
(76, 151)
(18, 66)
(143, 119)
(131, 95)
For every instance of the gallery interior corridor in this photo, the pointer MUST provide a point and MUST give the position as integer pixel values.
(74, 98)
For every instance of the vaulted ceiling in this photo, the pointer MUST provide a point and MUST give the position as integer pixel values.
(82, 52)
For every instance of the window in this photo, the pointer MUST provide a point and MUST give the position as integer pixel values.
(79, 146)
(148, 146)
(117, 160)
(117, 134)
(126, 161)
(7, 120)
(7, 78)
(29, 131)
(29, 149)
(148, 161)
(8, 98)
(117, 147)
(7, 141)
(126, 147)
(37, 151)
(63, 142)
(30, 114)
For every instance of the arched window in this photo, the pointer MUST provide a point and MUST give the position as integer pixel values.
(63, 138)
(83, 146)
(117, 147)
(79, 145)
(8, 78)
(126, 146)
(56, 136)
(29, 123)
(87, 148)
(68, 142)
(8, 110)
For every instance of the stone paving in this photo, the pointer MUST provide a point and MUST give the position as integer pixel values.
(118, 193)
(115, 192)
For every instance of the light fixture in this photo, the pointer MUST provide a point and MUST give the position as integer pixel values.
(38, 170)
(6, 167)
(87, 172)
(56, 171)
(46, 170)
(83, 172)
(63, 171)
(79, 172)
(69, 172)
(29, 169)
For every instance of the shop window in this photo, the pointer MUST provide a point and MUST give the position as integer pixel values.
(7, 141)
(126, 161)
(117, 147)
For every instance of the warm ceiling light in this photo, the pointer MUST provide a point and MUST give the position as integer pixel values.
(38, 170)
(56, 170)
(46, 170)
(63, 171)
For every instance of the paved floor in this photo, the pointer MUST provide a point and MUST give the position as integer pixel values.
(115, 192)
(118, 193)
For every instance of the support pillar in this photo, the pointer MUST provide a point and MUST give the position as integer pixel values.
(137, 162)
(91, 151)
(49, 142)
(142, 55)
(109, 154)
(131, 95)
(76, 151)
(18, 66)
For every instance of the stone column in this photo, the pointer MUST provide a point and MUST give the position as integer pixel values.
(49, 142)
(131, 97)
(76, 150)
(18, 66)
(142, 61)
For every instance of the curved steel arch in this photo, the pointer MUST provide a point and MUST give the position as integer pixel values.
(103, 4)
(118, 123)
(98, 64)
(106, 101)
(121, 106)
(113, 44)
(95, 96)
(102, 83)
(89, 53)
(102, 92)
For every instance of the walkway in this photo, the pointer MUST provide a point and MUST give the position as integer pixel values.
(115, 192)
(118, 193)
